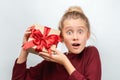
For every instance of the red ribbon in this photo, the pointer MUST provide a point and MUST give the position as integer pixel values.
(41, 40)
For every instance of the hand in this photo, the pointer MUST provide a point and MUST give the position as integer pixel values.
(60, 58)
(26, 35)
(56, 56)
(25, 39)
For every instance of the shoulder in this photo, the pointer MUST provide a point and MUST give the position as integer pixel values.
(91, 55)
(91, 51)
(91, 48)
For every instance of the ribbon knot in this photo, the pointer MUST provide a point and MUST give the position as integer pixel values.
(41, 40)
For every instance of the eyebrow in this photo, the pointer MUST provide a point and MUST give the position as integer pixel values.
(82, 27)
(67, 27)
(78, 27)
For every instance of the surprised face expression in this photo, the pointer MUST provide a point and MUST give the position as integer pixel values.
(75, 35)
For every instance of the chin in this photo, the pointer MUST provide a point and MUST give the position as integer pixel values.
(75, 52)
(78, 51)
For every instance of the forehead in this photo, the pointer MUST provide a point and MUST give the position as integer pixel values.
(74, 23)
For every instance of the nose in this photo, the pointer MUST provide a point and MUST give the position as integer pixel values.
(75, 36)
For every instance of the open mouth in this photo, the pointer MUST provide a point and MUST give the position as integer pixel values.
(76, 44)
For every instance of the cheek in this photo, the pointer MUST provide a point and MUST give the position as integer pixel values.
(84, 40)
(66, 38)
(67, 42)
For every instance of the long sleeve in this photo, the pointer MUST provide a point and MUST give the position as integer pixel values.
(76, 76)
(92, 66)
(87, 64)
(20, 72)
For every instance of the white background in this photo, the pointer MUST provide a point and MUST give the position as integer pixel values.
(17, 15)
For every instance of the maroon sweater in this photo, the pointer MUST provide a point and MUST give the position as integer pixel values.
(87, 64)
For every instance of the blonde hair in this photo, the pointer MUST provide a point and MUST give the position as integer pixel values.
(74, 12)
(74, 8)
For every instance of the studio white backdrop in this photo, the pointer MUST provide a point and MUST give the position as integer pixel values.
(17, 15)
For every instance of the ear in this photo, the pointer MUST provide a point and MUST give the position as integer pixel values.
(61, 37)
(62, 40)
(88, 35)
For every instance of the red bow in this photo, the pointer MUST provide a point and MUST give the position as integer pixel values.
(42, 40)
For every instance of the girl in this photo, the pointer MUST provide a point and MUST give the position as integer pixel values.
(81, 62)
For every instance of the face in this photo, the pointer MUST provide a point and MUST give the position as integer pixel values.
(75, 35)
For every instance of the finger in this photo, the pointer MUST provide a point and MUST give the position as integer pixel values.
(47, 58)
(27, 33)
(44, 54)
(55, 51)
(29, 29)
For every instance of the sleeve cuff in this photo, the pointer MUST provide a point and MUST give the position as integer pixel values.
(20, 65)
(76, 76)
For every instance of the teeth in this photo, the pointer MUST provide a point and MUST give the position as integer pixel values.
(75, 44)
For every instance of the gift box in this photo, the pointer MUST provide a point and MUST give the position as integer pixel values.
(42, 39)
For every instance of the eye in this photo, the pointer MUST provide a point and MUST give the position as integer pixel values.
(69, 32)
(80, 31)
